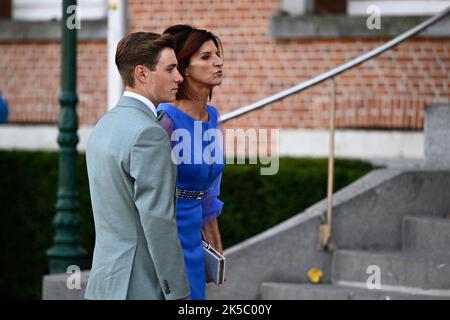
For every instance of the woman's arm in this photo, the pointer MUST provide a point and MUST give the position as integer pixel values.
(212, 207)
(212, 234)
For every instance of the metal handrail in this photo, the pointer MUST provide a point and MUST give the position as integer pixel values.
(340, 69)
(325, 227)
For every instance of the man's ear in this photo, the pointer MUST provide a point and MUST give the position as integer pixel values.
(139, 73)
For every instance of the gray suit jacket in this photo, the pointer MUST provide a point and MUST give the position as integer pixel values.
(132, 183)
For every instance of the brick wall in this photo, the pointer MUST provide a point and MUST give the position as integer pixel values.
(388, 92)
(30, 81)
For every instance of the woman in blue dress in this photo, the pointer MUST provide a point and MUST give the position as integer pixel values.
(197, 147)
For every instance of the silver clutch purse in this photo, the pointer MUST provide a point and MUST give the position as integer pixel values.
(214, 264)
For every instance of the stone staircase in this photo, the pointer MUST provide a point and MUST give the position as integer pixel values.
(420, 270)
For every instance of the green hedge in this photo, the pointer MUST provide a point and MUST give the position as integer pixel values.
(253, 203)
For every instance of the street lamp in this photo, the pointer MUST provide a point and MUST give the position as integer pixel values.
(67, 250)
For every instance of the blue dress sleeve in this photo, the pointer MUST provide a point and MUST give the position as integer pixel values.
(211, 205)
(167, 124)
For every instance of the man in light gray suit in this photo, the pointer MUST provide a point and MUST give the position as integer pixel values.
(132, 181)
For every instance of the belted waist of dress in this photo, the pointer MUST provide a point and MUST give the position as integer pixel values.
(191, 194)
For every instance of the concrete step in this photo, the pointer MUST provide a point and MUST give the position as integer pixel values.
(426, 234)
(398, 269)
(294, 291)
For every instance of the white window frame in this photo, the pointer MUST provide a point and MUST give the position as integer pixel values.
(397, 7)
(47, 10)
(298, 7)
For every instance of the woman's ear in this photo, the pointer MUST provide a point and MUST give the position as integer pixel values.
(186, 71)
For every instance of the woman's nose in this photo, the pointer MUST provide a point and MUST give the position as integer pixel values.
(219, 62)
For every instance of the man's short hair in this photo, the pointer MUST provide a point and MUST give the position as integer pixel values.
(140, 48)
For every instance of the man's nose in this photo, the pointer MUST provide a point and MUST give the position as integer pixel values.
(178, 77)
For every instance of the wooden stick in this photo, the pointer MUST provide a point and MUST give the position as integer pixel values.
(325, 229)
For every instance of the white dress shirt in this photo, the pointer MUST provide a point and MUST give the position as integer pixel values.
(143, 99)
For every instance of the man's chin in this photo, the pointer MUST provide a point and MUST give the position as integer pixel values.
(169, 99)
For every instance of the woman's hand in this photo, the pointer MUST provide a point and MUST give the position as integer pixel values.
(212, 235)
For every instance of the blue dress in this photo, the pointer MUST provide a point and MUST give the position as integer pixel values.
(197, 148)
